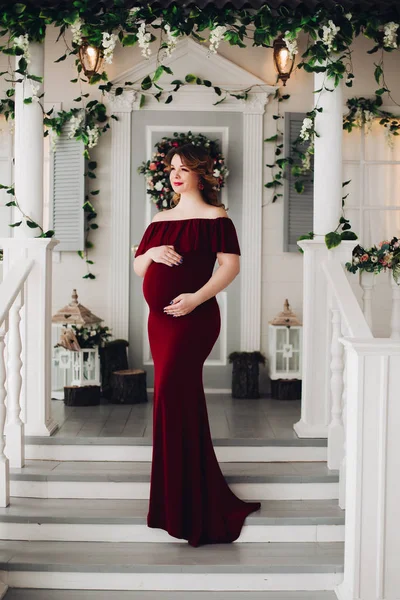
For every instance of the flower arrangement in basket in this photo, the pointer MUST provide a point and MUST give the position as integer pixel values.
(77, 337)
(157, 179)
(386, 255)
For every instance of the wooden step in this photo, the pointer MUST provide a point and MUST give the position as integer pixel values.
(30, 594)
(125, 521)
(123, 480)
(129, 449)
(131, 566)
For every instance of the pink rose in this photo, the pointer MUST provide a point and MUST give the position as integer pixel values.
(153, 166)
(364, 258)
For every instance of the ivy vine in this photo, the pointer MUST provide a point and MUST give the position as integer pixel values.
(104, 24)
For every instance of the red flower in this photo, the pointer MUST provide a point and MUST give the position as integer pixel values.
(153, 166)
(175, 144)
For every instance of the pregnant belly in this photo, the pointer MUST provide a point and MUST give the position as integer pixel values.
(162, 283)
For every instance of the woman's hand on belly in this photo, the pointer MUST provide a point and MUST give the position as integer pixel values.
(182, 305)
(165, 255)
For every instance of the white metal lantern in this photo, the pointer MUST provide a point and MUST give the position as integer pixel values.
(285, 345)
(80, 366)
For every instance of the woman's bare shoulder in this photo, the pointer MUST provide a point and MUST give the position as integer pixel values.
(160, 216)
(217, 211)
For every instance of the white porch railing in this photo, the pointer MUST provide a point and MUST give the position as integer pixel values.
(11, 303)
(384, 286)
(363, 440)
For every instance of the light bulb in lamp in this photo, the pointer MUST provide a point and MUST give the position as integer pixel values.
(91, 58)
(283, 62)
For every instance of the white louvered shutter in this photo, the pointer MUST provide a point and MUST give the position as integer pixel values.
(298, 208)
(67, 192)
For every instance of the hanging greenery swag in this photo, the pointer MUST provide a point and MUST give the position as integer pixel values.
(104, 24)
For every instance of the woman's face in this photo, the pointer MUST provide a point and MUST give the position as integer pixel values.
(182, 179)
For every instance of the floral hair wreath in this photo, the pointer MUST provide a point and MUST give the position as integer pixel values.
(157, 178)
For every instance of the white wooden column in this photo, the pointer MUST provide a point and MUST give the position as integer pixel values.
(35, 331)
(120, 262)
(251, 242)
(28, 171)
(372, 548)
(315, 401)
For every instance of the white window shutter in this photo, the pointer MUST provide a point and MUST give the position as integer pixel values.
(298, 208)
(67, 192)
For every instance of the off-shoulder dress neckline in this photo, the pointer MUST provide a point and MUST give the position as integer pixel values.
(190, 219)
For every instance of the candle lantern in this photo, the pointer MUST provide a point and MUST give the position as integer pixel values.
(81, 366)
(285, 346)
(282, 59)
(91, 59)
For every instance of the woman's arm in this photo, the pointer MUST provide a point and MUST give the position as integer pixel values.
(229, 268)
(141, 264)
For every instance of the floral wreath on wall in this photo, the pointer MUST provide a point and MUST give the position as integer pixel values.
(157, 178)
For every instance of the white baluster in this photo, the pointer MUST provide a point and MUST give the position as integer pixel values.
(4, 464)
(15, 428)
(335, 429)
(367, 282)
(342, 470)
(395, 319)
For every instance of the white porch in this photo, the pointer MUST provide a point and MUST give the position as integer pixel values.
(72, 481)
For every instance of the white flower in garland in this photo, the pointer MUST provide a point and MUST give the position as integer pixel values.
(348, 16)
(22, 42)
(132, 15)
(389, 136)
(53, 139)
(93, 135)
(75, 123)
(171, 41)
(291, 44)
(35, 87)
(76, 31)
(144, 41)
(329, 34)
(108, 43)
(368, 119)
(306, 129)
(216, 36)
(158, 186)
(390, 37)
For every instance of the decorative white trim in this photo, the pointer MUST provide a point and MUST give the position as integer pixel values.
(191, 99)
(250, 321)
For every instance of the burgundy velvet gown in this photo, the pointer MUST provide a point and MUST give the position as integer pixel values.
(189, 497)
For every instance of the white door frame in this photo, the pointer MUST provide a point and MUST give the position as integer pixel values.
(191, 98)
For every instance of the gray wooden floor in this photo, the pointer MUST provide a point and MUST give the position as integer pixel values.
(229, 418)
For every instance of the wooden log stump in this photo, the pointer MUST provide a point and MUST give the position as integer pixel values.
(85, 395)
(128, 386)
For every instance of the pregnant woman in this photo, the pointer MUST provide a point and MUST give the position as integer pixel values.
(189, 497)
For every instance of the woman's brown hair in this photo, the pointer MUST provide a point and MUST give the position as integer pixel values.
(198, 160)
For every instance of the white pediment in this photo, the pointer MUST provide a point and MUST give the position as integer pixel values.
(190, 57)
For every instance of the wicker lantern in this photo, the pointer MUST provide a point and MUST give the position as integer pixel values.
(285, 346)
(83, 363)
